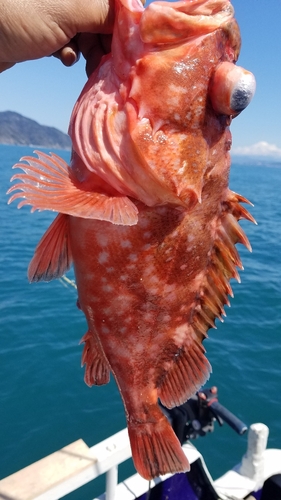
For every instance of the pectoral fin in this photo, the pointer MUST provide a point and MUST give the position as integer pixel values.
(48, 184)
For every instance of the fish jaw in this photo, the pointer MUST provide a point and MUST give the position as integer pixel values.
(163, 22)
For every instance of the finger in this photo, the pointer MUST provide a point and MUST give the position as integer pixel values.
(106, 41)
(69, 54)
(93, 47)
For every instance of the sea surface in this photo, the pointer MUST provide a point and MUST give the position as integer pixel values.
(45, 403)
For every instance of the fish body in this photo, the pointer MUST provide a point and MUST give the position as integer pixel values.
(145, 211)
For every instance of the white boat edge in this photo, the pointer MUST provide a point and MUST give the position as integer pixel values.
(73, 466)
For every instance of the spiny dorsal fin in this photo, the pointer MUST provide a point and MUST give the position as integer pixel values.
(222, 265)
(190, 368)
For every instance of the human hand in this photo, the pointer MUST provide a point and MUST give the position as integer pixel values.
(36, 28)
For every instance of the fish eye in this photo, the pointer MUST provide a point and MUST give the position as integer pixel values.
(231, 89)
(242, 92)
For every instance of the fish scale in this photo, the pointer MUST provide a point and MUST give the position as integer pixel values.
(145, 212)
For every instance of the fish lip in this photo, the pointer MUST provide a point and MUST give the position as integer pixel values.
(189, 20)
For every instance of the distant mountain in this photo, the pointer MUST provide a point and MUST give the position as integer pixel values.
(19, 130)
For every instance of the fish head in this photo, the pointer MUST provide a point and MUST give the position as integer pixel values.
(152, 121)
(181, 96)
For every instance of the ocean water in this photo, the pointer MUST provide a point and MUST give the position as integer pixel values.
(45, 404)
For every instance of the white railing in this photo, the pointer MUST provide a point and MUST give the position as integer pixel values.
(68, 469)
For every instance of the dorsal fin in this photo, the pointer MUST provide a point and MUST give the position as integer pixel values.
(188, 373)
(191, 368)
(52, 257)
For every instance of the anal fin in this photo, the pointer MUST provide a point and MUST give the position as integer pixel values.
(52, 257)
(97, 370)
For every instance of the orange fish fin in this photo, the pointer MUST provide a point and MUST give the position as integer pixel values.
(52, 257)
(48, 184)
(155, 448)
(191, 368)
(97, 370)
(188, 373)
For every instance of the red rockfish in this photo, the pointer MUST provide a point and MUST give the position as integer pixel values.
(145, 212)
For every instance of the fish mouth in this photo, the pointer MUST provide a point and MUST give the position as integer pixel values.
(206, 7)
(164, 22)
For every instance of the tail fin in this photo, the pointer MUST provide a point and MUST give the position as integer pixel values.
(156, 450)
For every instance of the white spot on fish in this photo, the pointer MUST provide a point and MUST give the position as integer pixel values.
(199, 110)
(110, 269)
(161, 138)
(125, 244)
(107, 288)
(107, 311)
(180, 334)
(173, 100)
(148, 317)
(166, 318)
(171, 297)
(103, 240)
(179, 67)
(103, 257)
(104, 329)
(131, 267)
(143, 222)
(133, 257)
(169, 288)
(138, 347)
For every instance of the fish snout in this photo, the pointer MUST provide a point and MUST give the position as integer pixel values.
(232, 89)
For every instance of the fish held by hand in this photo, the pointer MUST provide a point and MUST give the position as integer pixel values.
(145, 212)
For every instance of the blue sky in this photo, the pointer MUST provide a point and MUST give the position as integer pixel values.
(46, 91)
